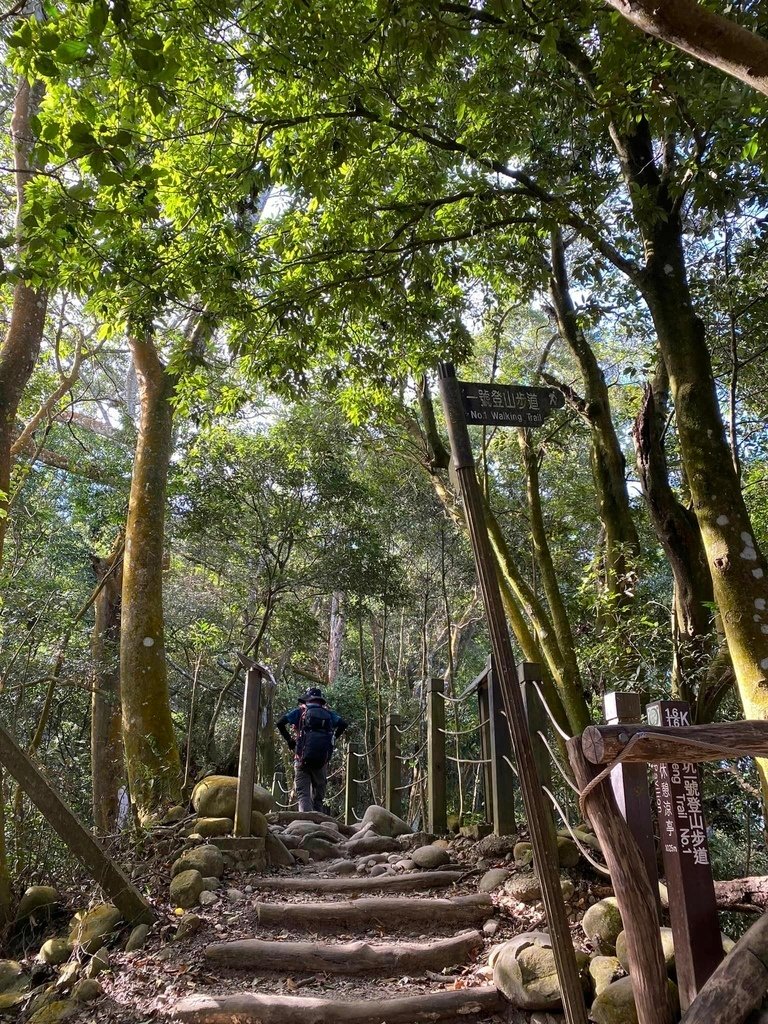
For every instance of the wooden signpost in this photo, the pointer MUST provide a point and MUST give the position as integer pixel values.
(630, 786)
(692, 902)
(392, 773)
(249, 739)
(478, 404)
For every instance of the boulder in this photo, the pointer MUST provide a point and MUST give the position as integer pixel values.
(523, 854)
(667, 945)
(206, 827)
(616, 1003)
(52, 1013)
(476, 832)
(496, 846)
(492, 879)
(211, 883)
(137, 938)
(430, 857)
(380, 869)
(208, 898)
(86, 990)
(205, 859)
(11, 977)
(384, 822)
(188, 925)
(406, 864)
(604, 970)
(567, 852)
(98, 963)
(89, 928)
(215, 797)
(278, 855)
(319, 849)
(56, 951)
(174, 814)
(527, 888)
(342, 867)
(302, 856)
(38, 901)
(526, 974)
(602, 925)
(585, 838)
(259, 826)
(186, 887)
(370, 843)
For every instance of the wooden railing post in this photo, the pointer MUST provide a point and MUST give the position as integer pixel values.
(392, 771)
(249, 739)
(692, 902)
(502, 774)
(437, 815)
(350, 786)
(529, 674)
(630, 786)
(485, 742)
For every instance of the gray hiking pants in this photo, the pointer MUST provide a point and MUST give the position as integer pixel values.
(310, 787)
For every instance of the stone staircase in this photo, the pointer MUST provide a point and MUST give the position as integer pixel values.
(379, 957)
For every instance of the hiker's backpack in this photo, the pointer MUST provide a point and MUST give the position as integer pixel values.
(315, 742)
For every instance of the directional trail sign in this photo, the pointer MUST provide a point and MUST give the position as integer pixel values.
(507, 405)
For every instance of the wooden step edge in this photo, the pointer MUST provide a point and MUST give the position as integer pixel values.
(249, 1008)
(409, 880)
(359, 957)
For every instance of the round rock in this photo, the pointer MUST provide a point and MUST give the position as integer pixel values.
(205, 859)
(186, 887)
(492, 879)
(602, 925)
(430, 856)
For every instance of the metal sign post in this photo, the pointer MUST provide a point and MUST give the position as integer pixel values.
(457, 412)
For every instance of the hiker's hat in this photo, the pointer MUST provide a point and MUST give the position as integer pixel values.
(314, 693)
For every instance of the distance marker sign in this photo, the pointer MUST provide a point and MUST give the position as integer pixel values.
(507, 405)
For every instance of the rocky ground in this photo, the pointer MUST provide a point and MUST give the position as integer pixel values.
(208, 890)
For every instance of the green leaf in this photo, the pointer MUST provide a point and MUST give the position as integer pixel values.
(98, 17)
(71, 51)
(46, 67)
(147, 60)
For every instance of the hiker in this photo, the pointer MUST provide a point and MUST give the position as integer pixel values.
(315, 728)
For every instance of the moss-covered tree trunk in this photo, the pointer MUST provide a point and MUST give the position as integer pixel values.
(609, 471)
(151, 753)
(736, 563)
(107, 763)
(21, 345)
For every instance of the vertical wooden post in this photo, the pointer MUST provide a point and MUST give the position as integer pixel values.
(437, 816)
(692, 903)
(249, 738)
(350, 786)
(528, 673)
(542, 838)
(630, 786)
(392, 772)
(636, 900)
(485, 743)
(502, 775)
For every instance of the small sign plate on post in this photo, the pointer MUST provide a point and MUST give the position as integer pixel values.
(692, 903)
(508, 405)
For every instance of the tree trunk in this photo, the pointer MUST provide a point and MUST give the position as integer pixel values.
(557, 610)
(335, 635)
(151, 753)
(21, 345)
(107, 767)
(607, 459)
(678, 532)
(694, 29)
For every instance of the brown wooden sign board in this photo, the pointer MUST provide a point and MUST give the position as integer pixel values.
(507, 405)
(684, 847)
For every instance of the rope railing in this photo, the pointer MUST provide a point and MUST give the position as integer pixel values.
(558, 729)
(410, 785)
(556, 762)
(369, 750)
(402, 729)
(601, 868)
(514, 769)
(410, 757)
(464, 732)
(468, 760)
